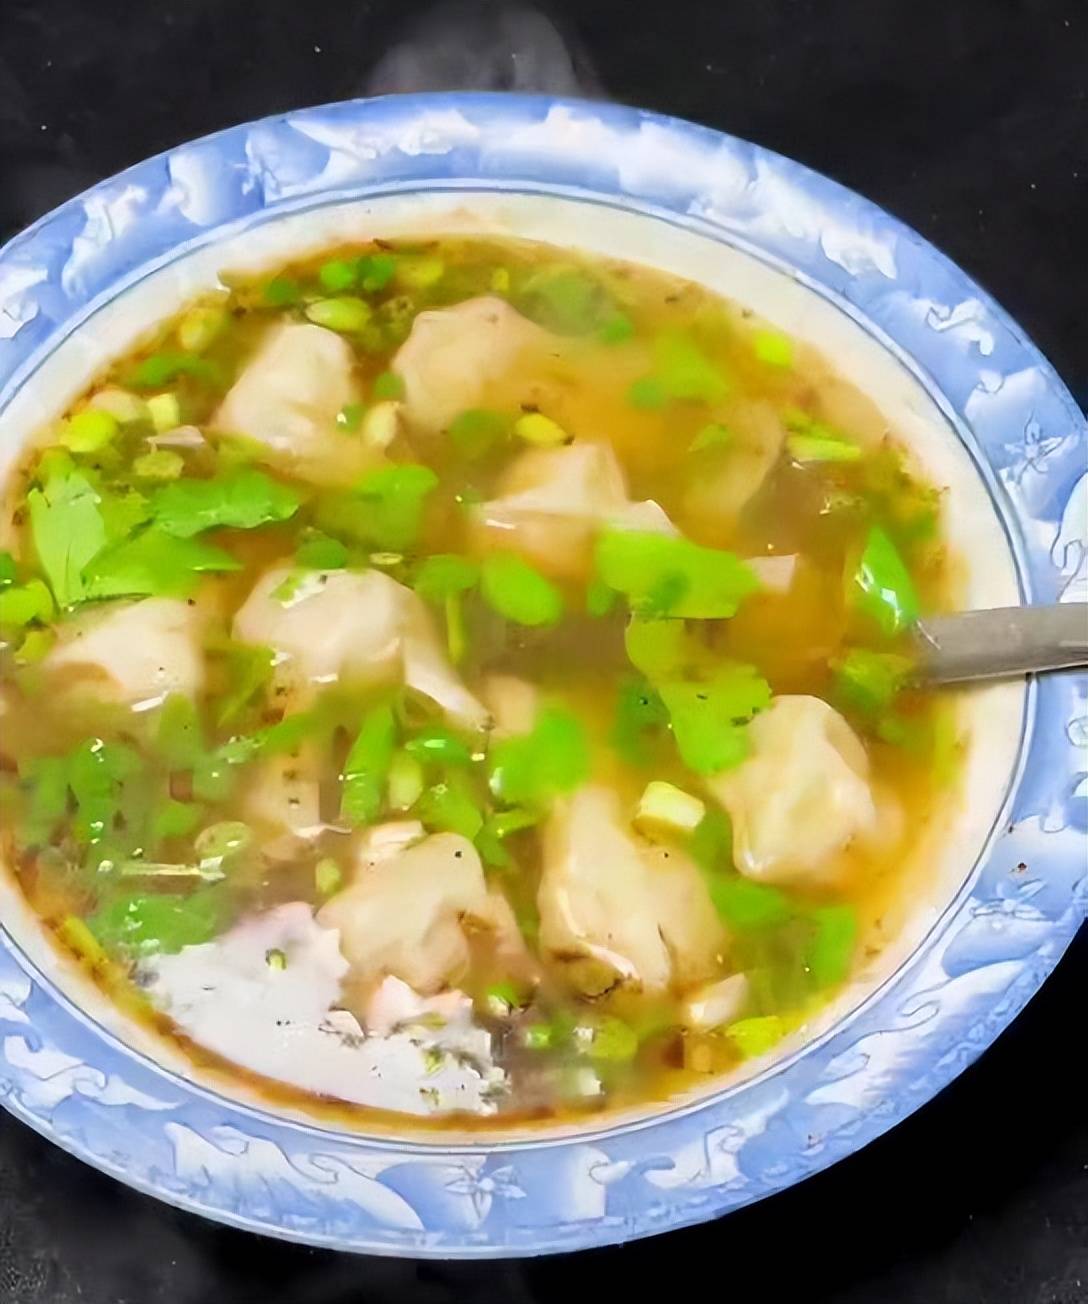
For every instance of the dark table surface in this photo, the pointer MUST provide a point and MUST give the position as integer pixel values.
(967, 118)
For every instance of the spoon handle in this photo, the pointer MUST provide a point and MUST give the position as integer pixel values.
(1004, 642)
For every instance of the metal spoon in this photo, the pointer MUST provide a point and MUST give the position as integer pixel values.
(1002, 643)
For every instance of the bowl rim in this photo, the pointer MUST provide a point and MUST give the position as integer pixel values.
(76, 1084)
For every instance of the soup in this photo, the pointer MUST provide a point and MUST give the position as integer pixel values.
(466, 680)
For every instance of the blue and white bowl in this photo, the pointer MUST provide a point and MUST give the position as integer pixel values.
(985, 413)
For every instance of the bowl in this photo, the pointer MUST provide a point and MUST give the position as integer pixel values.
(985, 414)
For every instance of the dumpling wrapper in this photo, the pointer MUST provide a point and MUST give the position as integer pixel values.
(802, 795)
(358, 624)
(144, 650)
(453, 355)
(283, 801)
(718, 494)
(639, 912)
(287, 398)
(552, 502)
(403, 914)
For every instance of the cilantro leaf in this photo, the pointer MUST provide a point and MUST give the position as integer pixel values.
(384, 510)
(684, 369)
(67, 527)
(519, 592)
(534, 767)
(708, 718)
(663, 574)
(640, 713)
(449, 807)
(393, 499)
(242, 499)
(153, 564)
(96, 772)
(445, 574)
(22, 603)
(163, 922)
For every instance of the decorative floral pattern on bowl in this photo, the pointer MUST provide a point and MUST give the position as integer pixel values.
(71, 1080)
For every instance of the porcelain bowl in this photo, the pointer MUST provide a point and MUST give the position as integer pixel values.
(981, 409)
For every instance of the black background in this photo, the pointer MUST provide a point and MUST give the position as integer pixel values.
(969, 119)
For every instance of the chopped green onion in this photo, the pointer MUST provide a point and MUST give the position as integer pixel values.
(375, 271)
(536, 428)
(664, 806)
(438, 744)
(405, 782)
(380, 424)
(475, 432)
(281, 292)
(89, 430)
(367, 766)
(831, 950)
(821, 448)
(276, 959)
(418, 271)
(607, 1038)
(345, 314)
(744, 905)
(8, 570)
(165, 411)
(647, 394)
(162, 368)
(350, 417)
(517, 591)
(773, 348)
(616, 329)
(565, 299)
(497, 828)
(712, 435)
(685, 371)
(337, 275)
(600, 599)
(202, 326)
(870, 681)
(159, 464)
(756, 1036)
(388, 385)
